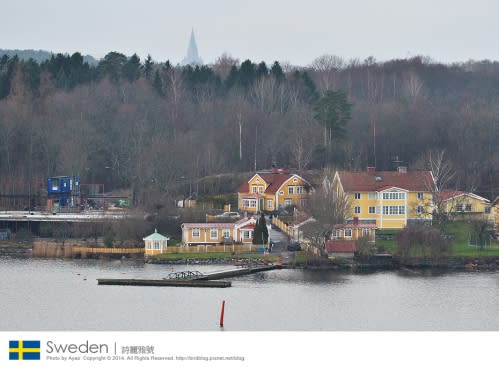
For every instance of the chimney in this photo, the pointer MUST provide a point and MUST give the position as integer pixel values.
(285, 171)
(274, 169)
(402, 170)
(371, 170)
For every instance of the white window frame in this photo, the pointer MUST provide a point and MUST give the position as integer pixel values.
(356, 210)
(252, 203)
(291, 190)
(372, 196)
(336, 233)
(348, 232)
(254, 189)
(459, 207)
(260, 189)
(213, 231)
(420, 195)
(468, 208)
(226, 232)
(156, 245)
(270, 204)
(288, 202)
(194, 231)
(372, 209)
(300, 190)
(356, 196)
(420, 209)
(365, 231)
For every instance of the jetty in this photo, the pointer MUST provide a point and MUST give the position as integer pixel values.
(164, 283)
(235, 272)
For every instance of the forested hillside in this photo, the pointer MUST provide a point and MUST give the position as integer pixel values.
(144, 125)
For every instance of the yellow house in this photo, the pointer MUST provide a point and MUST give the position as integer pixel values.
(467, 204)
(270, 191)
(218, 233)
(155, 243)
(495, 209)
(388, 199)
(354, 231)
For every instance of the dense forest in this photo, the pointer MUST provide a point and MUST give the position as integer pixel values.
(144, 125)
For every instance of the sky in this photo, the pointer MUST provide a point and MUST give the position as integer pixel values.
(290, 31)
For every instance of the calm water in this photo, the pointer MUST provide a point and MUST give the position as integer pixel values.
(54, 295)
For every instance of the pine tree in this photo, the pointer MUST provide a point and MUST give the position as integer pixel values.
(148, 65)
(158, 84)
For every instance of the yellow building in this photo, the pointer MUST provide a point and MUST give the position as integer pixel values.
(218, 233)
(270, 191)
(354, 231)
(155, 243)
(495, 210)
(466, 204)
(388, 199)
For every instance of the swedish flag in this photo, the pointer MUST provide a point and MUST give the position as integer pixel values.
(24, 350)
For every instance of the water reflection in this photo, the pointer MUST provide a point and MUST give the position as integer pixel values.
(64, 295)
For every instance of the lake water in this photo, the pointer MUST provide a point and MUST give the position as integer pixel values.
(39, 294)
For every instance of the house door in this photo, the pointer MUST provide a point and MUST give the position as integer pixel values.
(261, 204)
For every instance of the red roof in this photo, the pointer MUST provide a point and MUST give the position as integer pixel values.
(378, 181)
(340, 246)
(449, 194)
(273, 180)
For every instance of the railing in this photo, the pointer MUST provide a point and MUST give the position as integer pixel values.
(108, 250)
(210, 248)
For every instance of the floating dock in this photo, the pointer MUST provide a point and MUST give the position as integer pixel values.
(235, 272)
(164, 283)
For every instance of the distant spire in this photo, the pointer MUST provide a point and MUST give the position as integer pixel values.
(192, 57)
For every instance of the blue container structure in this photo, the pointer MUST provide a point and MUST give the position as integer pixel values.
(64, 191)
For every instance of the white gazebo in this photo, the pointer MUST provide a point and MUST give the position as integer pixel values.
(155, 243)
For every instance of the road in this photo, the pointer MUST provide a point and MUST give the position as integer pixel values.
(281, 242)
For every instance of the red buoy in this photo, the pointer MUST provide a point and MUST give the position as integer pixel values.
(222, 314)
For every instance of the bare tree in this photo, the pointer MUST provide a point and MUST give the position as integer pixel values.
(327, 68)
(302, 154)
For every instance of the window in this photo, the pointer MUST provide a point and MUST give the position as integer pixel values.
(459, 207)
(252, 204)
(247, 234)
(156, 245)
(253, 189)
(336, 233)
(420, 209)
(468, 207)
(291, 190)
(366, 231)
(372, 209)
(303, 202)
(357, 210)
(213, 233)
(357, 196)
(420, 195)
(487, 210)
(195, 232)
(393, 195)
(260, 189)
(299, 189)
(281, 192)
(226, 233)
(348, 232)
(393, 210)
(288, 202)
(270, 204)
(372, 196)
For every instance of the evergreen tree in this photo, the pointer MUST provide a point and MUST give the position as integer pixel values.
(261, 232)
(131, 70)
(158, 84)
(148, 66)
(262, 70)
(333, 112)
(277, 72)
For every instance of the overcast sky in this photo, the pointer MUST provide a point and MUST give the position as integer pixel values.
(283, 30)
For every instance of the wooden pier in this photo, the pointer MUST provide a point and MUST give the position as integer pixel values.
(164, 283)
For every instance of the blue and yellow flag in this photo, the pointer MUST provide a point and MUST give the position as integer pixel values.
(24, 350)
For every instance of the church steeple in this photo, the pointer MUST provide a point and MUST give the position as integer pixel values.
(192, 57)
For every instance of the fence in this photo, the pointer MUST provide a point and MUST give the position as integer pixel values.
(212, 248)
(280, 224)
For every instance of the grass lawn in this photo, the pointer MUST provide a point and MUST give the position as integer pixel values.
(459, 231)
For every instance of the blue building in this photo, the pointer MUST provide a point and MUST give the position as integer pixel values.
(63, 191)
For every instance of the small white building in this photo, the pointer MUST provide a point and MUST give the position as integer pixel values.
(155, 243)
